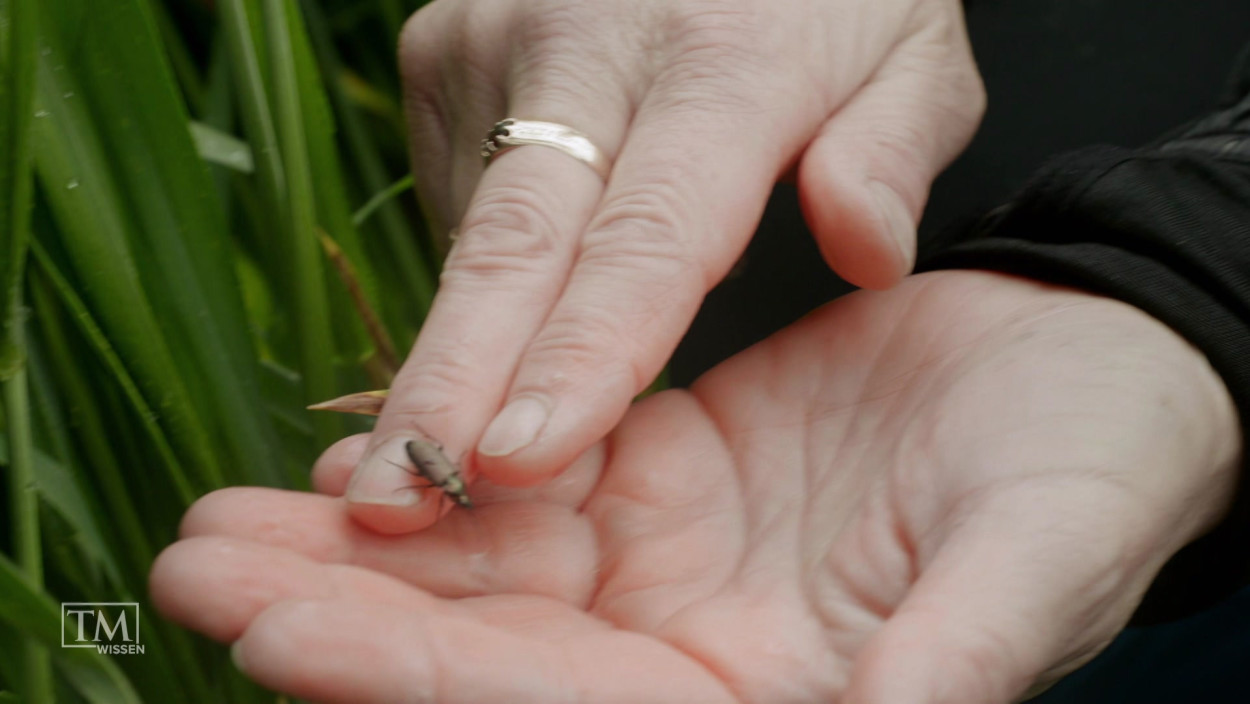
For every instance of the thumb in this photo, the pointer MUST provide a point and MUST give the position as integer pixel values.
(1014, 596)
(865, 178)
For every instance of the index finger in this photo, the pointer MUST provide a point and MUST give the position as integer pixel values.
(683, 200)
(507, 267)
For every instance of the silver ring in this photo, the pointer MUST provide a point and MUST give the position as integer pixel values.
(512, 133)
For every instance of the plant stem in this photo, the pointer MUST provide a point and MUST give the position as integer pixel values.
(384, 348)
(27, 547)
(253, 103)
(381, 198)
(316, 343)
(16, 107)
(419, 274)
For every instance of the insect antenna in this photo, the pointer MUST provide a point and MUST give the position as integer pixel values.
(403, 467)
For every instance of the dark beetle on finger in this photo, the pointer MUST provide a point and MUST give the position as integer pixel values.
(435, 467)
(426, 455)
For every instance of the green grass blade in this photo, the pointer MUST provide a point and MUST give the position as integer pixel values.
(108, 355)
(88, 210)
(28, 548)
(189, 258)
(140, 165)
(56, 484)
(93, 566)
(136, 503)
(184, 312)
(178, 55)
(311, 302)
(253, 101)
(17, 76)
(380, 198)
(17, 61)
(353, 334)
(96, 677)
(136, 548)
(226, 150)
(411, 275)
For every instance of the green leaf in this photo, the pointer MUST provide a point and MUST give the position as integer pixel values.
(17, 72)
(312, 309)
(18, 25)
(96, 677)
(183, 310)
(381, 198)
(57, 485)
(409, 274)
(138, 211)
(100, 344)
(220, 148)
(178, 54)
(253, 103)
(333, 209)
(137, 500)
(92, 220)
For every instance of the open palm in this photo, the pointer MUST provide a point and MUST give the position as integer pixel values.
(938, 493)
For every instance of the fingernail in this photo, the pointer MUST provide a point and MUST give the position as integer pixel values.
(236, 655)
(382, 476)
(516, 426)
(897, 219)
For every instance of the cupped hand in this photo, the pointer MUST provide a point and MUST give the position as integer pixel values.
(564, 295)
(941, 493)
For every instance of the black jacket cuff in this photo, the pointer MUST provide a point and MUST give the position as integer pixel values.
(1166, 229)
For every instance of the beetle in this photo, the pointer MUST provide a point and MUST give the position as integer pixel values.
(434, 466)
(426, 455)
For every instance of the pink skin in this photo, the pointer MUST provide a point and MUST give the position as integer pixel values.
(942, 493)
(564, 296)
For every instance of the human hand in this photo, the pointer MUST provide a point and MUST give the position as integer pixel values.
(937, 494)
(562, 297)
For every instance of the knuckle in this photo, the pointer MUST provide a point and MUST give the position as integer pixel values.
(939, 47)
(557, 25)
(712, 25)
(442, 373)
(507, 231)
(716, 44)
(662, 203)
(705, 92)
(551, 54)
(562, 84)
(973, 97)
(643, 233)
(655, 266)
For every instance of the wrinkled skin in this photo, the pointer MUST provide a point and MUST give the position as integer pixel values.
(940, 493)
(564, 296)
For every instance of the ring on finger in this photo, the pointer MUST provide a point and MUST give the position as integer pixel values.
(512, 133)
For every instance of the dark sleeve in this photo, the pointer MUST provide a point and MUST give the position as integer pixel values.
(1167, 229)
